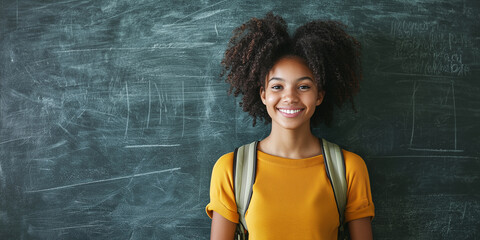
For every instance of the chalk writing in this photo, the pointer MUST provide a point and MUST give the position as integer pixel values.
(428, 48)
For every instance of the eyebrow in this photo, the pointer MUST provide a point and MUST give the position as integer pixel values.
(300, 79)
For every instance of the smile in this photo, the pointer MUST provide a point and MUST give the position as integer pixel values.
(290, 111)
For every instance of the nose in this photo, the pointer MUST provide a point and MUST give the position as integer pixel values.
(290, 95)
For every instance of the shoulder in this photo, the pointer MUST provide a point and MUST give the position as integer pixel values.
(223, 168)
(224, 162)
(354, 165)
(352, 160)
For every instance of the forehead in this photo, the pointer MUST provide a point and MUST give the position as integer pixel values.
(290, 67)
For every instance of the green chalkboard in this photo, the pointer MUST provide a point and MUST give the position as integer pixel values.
(112, 114)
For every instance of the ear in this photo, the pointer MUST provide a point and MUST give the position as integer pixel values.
(262, 94)
(321, 95)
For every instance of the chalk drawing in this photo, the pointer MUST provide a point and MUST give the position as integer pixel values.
(437, 114)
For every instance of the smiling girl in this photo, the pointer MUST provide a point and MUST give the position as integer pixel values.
(292, 83)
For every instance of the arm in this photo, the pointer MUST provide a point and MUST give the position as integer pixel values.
(360, 229)
(222, 229)
(360, 210)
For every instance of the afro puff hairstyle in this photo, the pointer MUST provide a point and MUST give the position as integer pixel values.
(331, 54)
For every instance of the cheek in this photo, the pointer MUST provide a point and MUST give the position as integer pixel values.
(270, 100)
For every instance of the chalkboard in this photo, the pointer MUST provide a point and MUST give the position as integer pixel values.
(112, 114)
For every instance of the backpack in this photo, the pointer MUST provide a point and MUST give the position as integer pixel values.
(244, 173)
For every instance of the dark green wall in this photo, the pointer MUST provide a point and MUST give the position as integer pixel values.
(112, 114)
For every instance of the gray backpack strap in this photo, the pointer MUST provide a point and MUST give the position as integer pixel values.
(244, 173)
(335, 167)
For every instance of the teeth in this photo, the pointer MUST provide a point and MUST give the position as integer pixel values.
(287, 111)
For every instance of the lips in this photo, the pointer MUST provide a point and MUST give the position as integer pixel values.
(289, 112)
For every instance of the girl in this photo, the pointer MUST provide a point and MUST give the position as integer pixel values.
(292, 82)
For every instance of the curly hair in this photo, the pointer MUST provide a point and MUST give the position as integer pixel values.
(331, 54)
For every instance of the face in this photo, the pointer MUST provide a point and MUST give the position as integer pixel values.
(291, 94)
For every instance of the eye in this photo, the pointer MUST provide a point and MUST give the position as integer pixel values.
(276, 87)
(304, 87)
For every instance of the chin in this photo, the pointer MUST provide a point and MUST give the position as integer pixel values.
(292, 126)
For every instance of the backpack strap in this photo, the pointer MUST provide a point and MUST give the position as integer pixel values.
(244, 173)
(335, 167)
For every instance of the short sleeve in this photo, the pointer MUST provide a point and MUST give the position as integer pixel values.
(222, 197)
(359, 196)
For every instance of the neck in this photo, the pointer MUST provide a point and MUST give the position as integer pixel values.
(291, 143)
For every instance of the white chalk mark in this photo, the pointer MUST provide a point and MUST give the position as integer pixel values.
(449, 221)
(159, 188)
(56, 145)
(444, 102)
(47, 160)
(99, 112)
(128, 110)
(200, 11)
(183, 99)
(464, 210)
(34, 80)
(103, 180)
(161, 75)
(13, 140)
(182, 226)
(205, 119)
(418, 75)
(132, 234)
(216, 29)
(159, 105)
(415, 88)
(207, 14)
(157, 46)
(21, 95)
(149, 102)
(49, 5)
(65, 130)
(83, 110)
(2, 177)
(435, 150)
(454, 114)
(75, 227)
(425, 156)
(114, 16)
(165, 98)
(152, 145)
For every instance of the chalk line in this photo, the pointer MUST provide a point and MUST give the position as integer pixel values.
(181, 19)
(424, 156)
(128, 110)
(13, 140)
(183, 99)
(152, 145)
(454, 114)
(102, 181)
(149, 102)
(415, 88)
(435, 150)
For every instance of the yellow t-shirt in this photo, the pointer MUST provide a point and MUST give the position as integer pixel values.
(292, 198)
